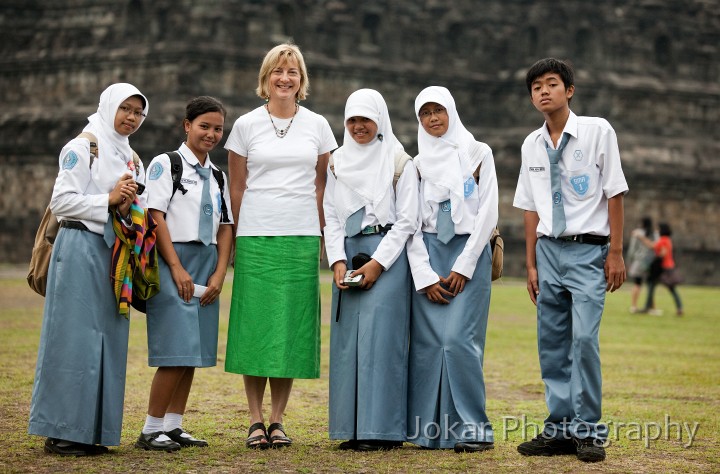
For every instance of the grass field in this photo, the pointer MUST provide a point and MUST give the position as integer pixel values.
(661, 397)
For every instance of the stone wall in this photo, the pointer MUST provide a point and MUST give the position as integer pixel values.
(651, 67)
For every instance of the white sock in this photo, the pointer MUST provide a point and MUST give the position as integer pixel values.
(172, 421)
(153, 425)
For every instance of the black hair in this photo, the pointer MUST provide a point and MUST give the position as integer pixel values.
(142, 99)
(664, 229)
(544, 66)
(647, 226)
(203, 105)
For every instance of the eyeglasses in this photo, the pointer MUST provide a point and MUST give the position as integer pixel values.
(427, 113)
(127, 111)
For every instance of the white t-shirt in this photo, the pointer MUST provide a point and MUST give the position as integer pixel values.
(182, 212)
(590, 170)
(280, 197)
(479, 219)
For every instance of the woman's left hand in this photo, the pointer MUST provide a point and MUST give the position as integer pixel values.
(455, 282)
(371, 272)
(214, 288)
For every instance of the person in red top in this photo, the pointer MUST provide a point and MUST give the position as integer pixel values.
(663, 248)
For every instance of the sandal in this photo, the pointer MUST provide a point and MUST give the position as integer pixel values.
(259, 441)
(278, 441)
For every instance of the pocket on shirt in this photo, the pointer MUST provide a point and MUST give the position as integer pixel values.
(583, 182)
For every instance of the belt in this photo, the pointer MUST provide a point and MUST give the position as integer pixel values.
(586, 239)
(376, 229)
(73, 225)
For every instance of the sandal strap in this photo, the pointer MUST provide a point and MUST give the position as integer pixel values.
(258, 426)
(275, 427)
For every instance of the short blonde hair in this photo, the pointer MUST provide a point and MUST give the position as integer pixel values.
(275, 57)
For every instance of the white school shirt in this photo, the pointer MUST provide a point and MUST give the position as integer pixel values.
(403, 215)
(590, 174)
(479, 219)
(76, 196)
(280, 197)
(182, 212)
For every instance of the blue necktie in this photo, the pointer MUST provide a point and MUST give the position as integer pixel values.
(558, 211)
(206, 208)
(354, 222)
(108, 231)
(445, 225)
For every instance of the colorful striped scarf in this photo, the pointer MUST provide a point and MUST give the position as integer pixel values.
(134, 265)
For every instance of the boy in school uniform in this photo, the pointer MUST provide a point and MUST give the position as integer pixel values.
(571, 187)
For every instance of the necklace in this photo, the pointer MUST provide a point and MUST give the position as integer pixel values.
(281, 132)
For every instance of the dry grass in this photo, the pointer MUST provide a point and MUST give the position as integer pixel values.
(653, 367)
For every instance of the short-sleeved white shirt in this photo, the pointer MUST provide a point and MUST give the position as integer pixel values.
(182, 211)
(280, 197)
(591, 174)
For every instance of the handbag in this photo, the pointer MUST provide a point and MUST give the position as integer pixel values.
(671, 277)
(497, 247)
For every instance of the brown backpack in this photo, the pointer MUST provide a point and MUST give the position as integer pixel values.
(48, 230)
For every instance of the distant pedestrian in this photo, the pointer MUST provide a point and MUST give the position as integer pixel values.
(668, 275)
(639, 258)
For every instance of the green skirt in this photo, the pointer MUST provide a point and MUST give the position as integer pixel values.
(274, 328)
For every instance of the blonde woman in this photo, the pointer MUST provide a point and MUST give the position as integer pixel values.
(277, 158)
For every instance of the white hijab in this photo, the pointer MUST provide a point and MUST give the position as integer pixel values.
(443, 161)
(112, 146)
(365, 172)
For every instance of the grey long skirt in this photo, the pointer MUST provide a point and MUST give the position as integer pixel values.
(80, 376)
(184, 334)
(446, 389)
(369, 353)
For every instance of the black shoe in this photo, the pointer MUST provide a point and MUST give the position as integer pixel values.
(473, 446)
(377, 445)
(349, 445)
(70, 448)
(149, 442)
(543, 445)
(589, 449)
(184, 441)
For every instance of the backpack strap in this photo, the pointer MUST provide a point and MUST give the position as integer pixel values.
(221, 183)
(94, 153)
(176, 170)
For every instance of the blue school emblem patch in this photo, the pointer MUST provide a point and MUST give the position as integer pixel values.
(156, 170)
(580, 184)
(445, 206)
(557, 197)
(469, 186)
(70, 160)
(208, 209)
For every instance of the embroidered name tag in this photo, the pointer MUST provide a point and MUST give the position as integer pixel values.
(537, 169)
(188, 181)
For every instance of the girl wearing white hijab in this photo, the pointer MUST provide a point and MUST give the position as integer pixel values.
(450, 261)
(79, 387)
(366, 212)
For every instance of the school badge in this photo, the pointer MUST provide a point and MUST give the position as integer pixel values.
(70, 160)
(445, 206)
(208, 209)
(155, 171)
(580, 184)
(468, 186)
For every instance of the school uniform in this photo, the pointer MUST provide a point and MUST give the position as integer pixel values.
(79, 385)
(446, 390)
(571, 274)
(369, 329)
(184, 333)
